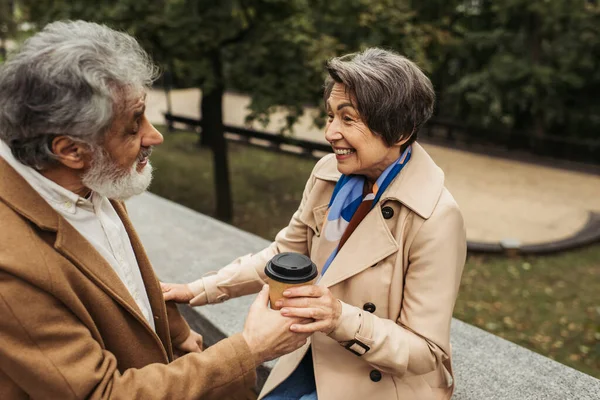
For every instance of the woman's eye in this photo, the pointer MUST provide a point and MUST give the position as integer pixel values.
(348, 119)
(330, 117)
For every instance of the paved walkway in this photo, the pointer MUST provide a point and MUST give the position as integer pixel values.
(500, 199)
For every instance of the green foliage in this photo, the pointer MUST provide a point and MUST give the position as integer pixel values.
(527, 65)
(8, 25)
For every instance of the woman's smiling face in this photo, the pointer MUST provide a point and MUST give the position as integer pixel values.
(357, 149)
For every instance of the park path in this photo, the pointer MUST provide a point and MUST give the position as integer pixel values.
(500, 198)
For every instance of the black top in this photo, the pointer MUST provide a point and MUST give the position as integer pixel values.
(291, 268)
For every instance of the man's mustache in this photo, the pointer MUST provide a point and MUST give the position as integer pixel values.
(144, 153)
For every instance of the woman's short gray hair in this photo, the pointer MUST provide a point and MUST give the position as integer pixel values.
(393, 97)
(69, 79)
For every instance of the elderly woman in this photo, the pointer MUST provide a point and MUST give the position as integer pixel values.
(388, 240)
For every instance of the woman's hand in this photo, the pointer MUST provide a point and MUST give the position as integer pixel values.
(177, 292)
(314, 302)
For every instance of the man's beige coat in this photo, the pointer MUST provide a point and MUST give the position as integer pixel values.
(405, 259)
(69, 329)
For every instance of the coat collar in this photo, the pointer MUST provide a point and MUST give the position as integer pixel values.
(418, 186)
(21, 197)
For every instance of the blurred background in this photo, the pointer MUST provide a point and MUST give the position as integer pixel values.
(516, 129)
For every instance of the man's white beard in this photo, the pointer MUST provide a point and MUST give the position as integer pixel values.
(108, 179)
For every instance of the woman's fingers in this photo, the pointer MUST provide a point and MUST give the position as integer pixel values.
(318, 326)
(298, 302)
(177, 292)
(309, 313)
(304, 291)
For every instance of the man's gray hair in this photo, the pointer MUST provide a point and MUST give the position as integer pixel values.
(69, 79)
(393, 97)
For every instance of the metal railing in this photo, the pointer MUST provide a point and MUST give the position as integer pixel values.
(273, 141)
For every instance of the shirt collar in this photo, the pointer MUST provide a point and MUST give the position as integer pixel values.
(53, 193)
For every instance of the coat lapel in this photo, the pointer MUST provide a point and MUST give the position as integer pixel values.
(418, 187)
(151, 283)
(362, 250)
(22, 198)
(84, 256)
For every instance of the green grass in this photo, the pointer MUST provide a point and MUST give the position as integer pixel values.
(548, 304)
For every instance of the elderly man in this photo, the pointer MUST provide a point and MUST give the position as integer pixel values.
(82, 312)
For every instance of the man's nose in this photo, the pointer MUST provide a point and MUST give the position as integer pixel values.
(152, 137)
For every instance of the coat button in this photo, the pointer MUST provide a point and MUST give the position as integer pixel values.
(375, 375)
(370, 307)
(388, 212)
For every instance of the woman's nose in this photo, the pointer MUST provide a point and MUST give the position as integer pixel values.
(332, 132)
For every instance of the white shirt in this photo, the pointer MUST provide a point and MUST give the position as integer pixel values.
(97, 221)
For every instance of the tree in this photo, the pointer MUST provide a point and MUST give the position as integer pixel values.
(529, 65)
(7, 24)
(265, 47)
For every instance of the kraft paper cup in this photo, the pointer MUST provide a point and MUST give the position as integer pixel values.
(287, 270)
(276, 290)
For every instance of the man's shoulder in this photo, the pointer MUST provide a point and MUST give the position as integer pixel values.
(20, 253)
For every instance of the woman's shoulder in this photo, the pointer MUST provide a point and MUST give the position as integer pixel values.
(326, 169)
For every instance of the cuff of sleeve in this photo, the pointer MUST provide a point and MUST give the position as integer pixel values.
(349, 324)
(197, 288)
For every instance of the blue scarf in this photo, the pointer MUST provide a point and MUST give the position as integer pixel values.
(347, 197)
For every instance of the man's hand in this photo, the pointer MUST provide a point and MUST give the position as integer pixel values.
(268, 333)
(192, 344)
(177, 292)
(314, 302)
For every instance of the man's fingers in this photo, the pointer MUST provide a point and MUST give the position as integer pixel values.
(262, 299)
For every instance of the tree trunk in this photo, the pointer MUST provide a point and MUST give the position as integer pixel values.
(213, 134)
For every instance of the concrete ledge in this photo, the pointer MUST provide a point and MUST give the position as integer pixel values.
(184, 245)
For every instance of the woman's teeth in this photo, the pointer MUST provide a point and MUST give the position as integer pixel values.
(343, 152)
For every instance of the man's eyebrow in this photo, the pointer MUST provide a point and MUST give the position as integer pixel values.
(140, 112)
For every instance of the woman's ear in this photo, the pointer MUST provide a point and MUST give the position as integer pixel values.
(402, 141)
(70, 153)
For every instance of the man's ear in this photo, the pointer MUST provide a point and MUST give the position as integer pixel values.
(70, 153)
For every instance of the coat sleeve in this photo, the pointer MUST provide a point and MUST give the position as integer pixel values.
(419, 340)
(51, 354)
(246, 274)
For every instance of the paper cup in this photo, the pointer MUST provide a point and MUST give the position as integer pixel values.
(276, 290)
(287, 270)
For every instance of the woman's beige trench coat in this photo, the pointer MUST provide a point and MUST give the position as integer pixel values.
(397, 277)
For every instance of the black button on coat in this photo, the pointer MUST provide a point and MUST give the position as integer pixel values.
(375, 375)
(370, 307)
(387, 212)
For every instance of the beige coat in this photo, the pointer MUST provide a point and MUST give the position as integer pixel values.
(405, 259)
(70, 329)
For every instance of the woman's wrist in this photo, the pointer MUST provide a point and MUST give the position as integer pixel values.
(348, 323)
